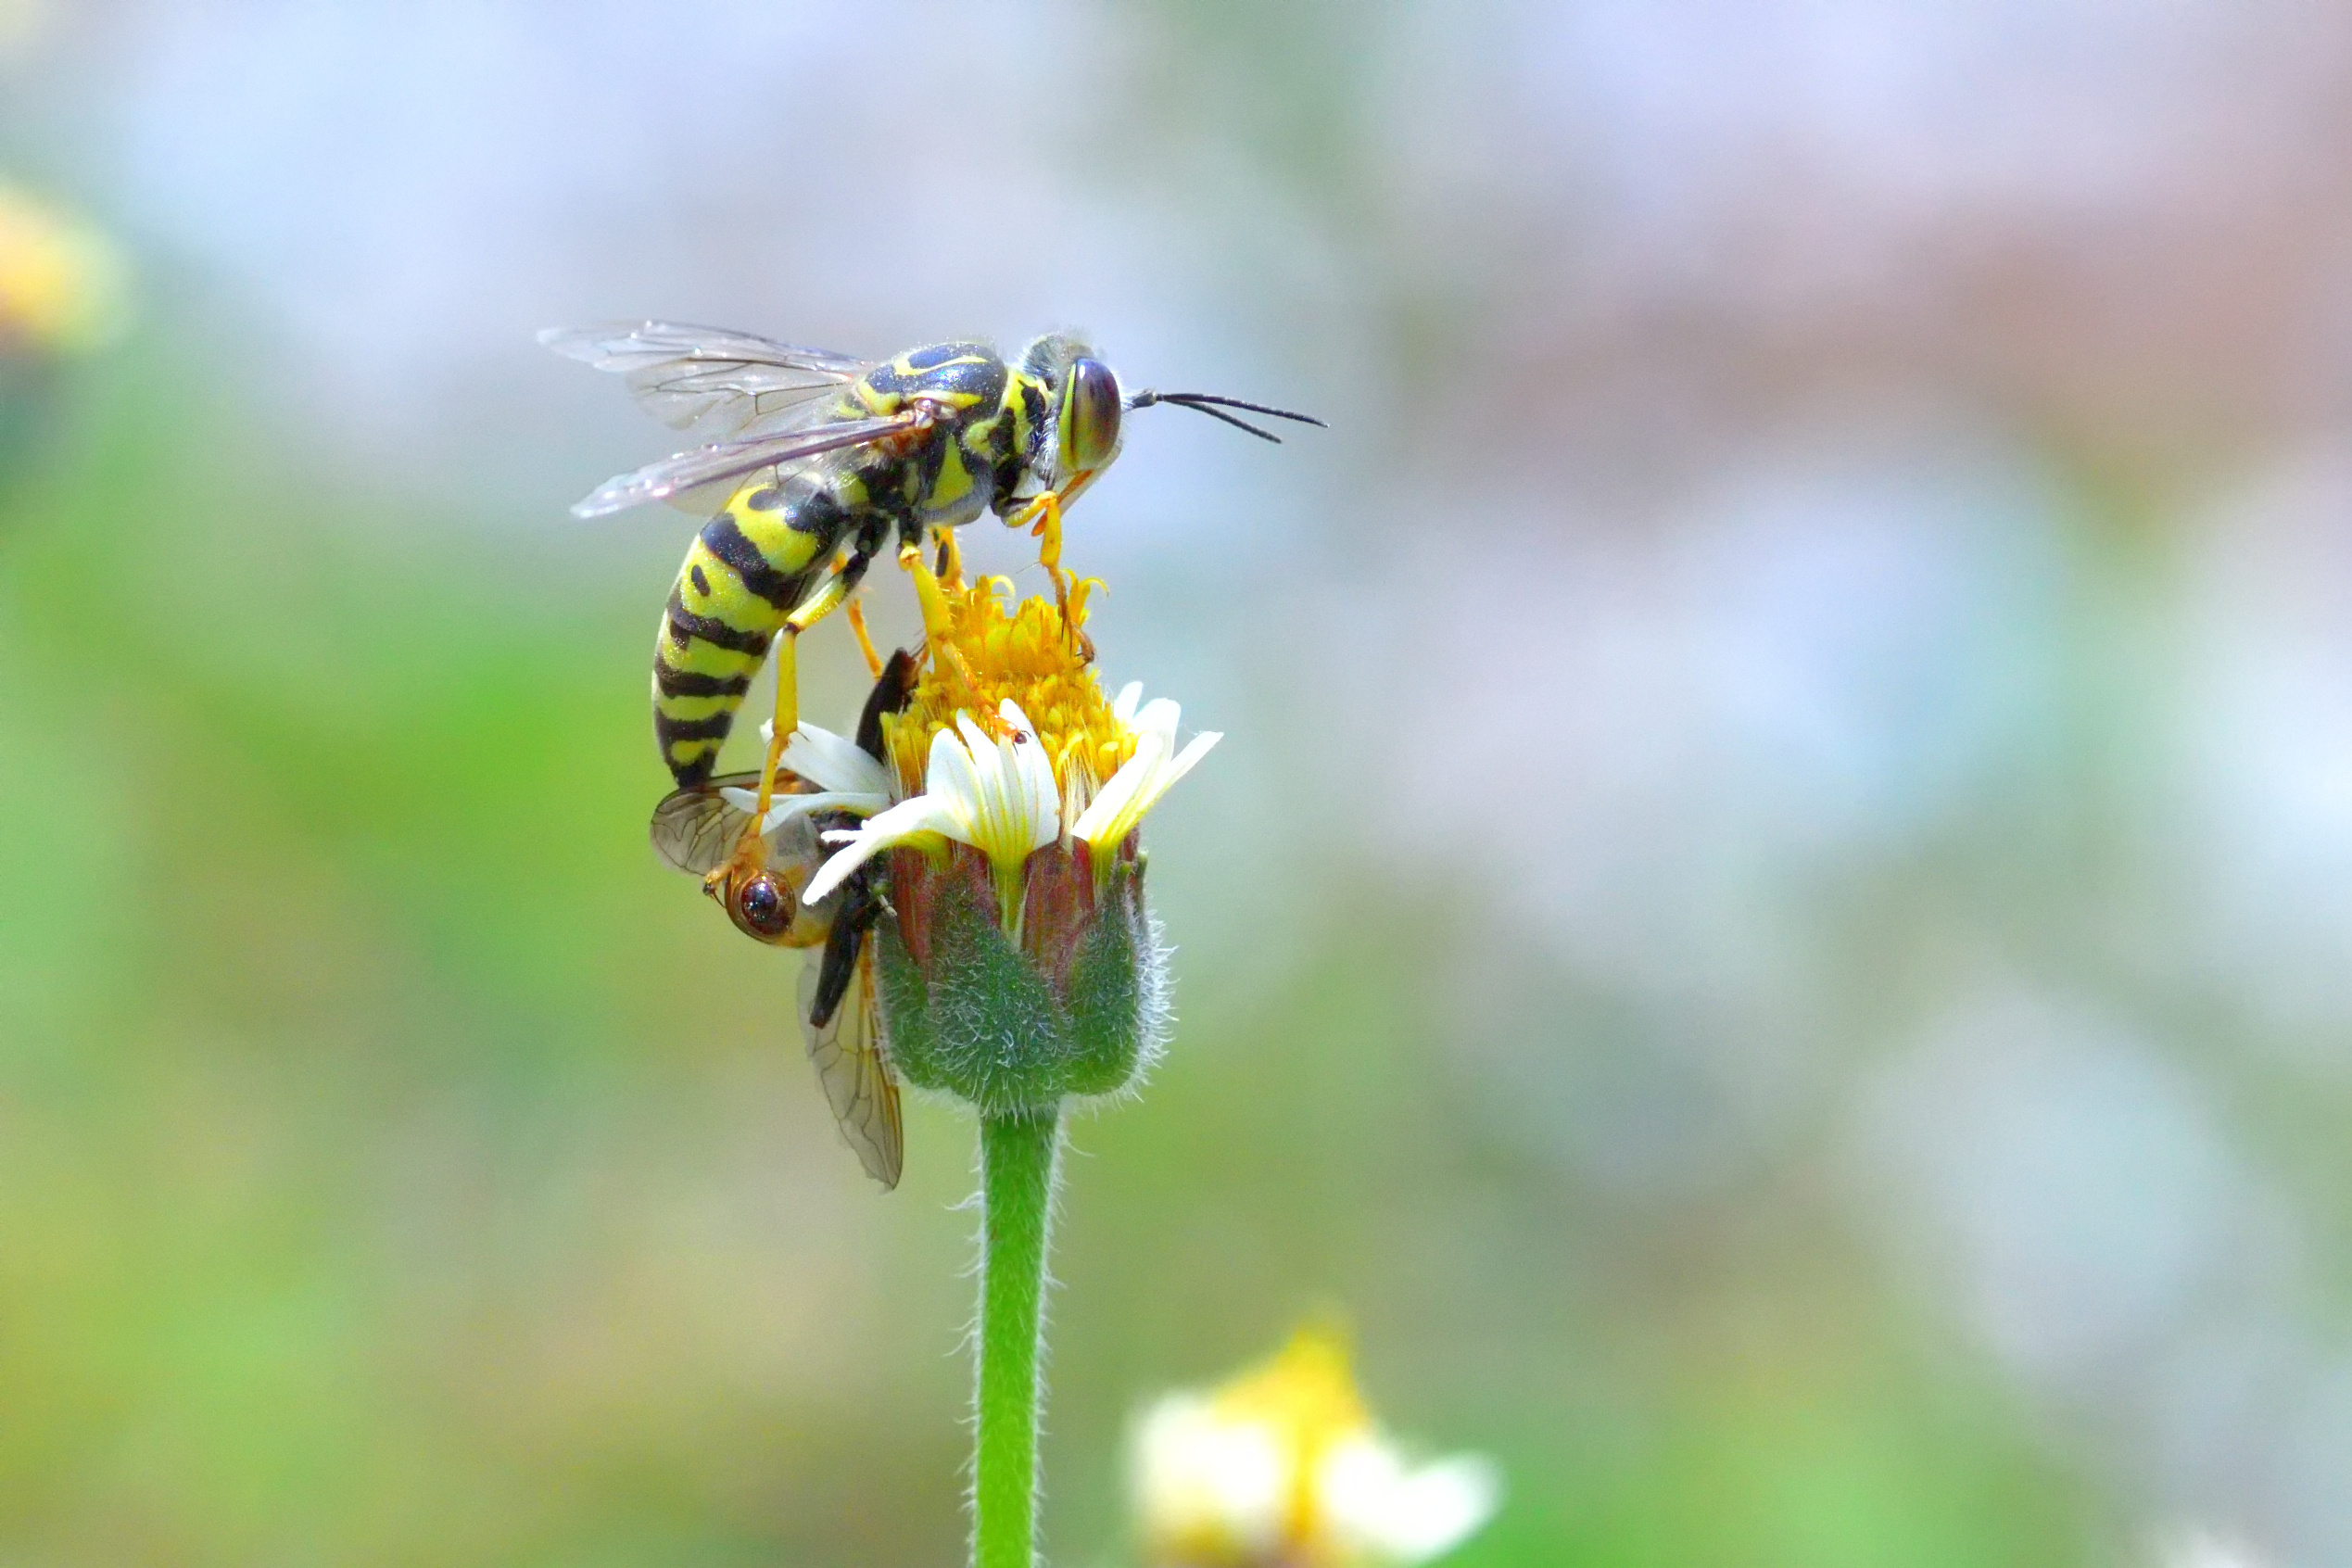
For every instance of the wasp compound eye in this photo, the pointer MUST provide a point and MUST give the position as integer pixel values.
(762, 908)
(1090, 416)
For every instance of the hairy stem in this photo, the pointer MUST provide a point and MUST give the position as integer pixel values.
(1017, 1159)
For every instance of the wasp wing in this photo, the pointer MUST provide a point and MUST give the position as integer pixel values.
(695, 827)
(847, 1051)
(689, 376)
(675, 477)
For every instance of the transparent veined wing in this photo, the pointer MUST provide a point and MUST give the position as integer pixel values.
(847, 1052)
(697, 375)
(676, 475)
(694, 829)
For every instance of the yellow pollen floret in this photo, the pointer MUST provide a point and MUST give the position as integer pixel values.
(997, 649)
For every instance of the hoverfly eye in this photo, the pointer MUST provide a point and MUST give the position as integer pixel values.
(1089, 417)
(762, 908)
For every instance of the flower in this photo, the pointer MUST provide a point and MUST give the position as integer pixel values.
(995, 793)
(60, 282)
(1119, 807)
(1285, 1466)
(1015, 792)
(1016, 961)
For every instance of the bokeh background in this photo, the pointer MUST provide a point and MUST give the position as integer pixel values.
(1771, 924)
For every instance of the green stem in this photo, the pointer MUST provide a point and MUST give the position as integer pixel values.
(1017, 1159)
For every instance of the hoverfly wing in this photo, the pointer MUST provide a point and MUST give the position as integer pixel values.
(689, 376)
(673, 476)
(695, 827)
(847, 1052)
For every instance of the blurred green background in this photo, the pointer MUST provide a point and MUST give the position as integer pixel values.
(1771, 924)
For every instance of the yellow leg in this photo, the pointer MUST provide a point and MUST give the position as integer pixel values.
(1046, 511)
(750, 853)
(951, 557)
(1042, 517)
(856, 612)
(938, 623)
(750, 849)
(788, 717)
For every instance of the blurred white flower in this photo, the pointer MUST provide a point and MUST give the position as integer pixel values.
(1285, 1465)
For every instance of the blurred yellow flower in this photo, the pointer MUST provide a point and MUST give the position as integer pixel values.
(62, 282)
(1285, 1466)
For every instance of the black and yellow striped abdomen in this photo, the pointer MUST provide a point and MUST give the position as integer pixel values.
(772, 547)
(749, 568)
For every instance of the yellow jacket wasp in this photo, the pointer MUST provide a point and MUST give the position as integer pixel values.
(813, 462)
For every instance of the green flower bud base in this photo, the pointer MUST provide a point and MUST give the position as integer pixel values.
(1010, 1030)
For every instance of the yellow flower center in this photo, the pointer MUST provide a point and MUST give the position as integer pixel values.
(995, 648)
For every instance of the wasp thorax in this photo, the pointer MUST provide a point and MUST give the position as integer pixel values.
(1089, 416)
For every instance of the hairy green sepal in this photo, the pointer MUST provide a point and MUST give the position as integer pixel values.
(986, 1021)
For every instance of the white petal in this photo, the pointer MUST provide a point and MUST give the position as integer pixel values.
(988, 781)
(976, 739)
(835, 761)
(786, 808)
(901, 822)
(1137, 787)
(1040, 805)
(1123, 708)
(1111, 803)
(783, 808)
(951, 777)
(1159, 716)
(1184, 763)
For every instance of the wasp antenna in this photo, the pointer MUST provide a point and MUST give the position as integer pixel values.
(1197, 399)
(1228, 419)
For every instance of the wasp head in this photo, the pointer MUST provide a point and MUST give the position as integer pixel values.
(1087, 406)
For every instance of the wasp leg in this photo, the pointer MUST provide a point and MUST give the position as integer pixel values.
(938, 623)
(837, 587)
(1045, 511)
(855, 611)
(948, 558)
